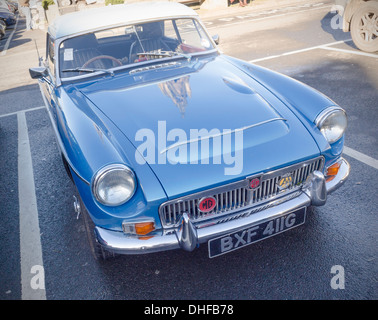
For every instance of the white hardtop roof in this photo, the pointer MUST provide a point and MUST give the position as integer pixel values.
(116, 15)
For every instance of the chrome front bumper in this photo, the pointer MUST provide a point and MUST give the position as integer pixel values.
(187, 236)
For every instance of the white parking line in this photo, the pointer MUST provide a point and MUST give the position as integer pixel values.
(32, 272)
(21, 111)
(6, 46)
(322, 46)
(372, 55)
(361, 157)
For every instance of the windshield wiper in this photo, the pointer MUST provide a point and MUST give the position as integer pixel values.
(88, 70)
(165, 54)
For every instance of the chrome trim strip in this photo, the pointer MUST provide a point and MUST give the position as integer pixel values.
(342, 176)
(103, 171)
(153, 67)
(246, 211)
(220, 134)
(325, 113)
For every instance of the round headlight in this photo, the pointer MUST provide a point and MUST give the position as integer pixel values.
(114, 185)
(332, 123)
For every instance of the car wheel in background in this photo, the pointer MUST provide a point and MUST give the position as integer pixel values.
(364, 27)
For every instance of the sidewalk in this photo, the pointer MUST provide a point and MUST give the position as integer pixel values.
(20, 55)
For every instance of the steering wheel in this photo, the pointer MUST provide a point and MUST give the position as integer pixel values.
(102, 57)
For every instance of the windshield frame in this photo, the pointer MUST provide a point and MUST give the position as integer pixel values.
(130, 66)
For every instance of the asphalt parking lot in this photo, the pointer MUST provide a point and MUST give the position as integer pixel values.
(296, 40)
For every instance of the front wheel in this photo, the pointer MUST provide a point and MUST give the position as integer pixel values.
(364, 27)
(98, 252)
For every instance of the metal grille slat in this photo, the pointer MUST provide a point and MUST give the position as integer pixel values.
(263, 188)
(267, 189)
(169, 213)
(295, 178)
(301, 175)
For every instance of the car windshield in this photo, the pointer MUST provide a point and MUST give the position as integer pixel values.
(130, 45)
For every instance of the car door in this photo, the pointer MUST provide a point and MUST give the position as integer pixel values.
(48, 85)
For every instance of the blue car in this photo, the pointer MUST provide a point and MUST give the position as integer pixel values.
(8, 17)
(2, 29)
(172, 144)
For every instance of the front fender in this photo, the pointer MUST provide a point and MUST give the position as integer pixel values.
(295, 94)
(89, 142)
(86, 141)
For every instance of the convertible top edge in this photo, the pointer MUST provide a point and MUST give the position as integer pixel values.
(115, 15)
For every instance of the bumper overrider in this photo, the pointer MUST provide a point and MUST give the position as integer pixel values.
(188, 236)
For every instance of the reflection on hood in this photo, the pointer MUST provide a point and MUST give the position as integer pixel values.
(178, 91)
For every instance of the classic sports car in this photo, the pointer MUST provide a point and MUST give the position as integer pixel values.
(171, 144)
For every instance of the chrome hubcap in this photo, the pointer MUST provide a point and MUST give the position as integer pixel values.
(369, 26)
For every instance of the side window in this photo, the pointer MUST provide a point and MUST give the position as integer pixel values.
(51, 55)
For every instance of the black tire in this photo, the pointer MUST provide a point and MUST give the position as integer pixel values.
(364, 27)
(67, 168)
(98, 252)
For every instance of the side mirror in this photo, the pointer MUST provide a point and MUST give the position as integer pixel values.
(216, 39)
(38, 72)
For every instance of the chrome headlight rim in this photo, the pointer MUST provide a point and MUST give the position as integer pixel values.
(324, 115)
(99, 176)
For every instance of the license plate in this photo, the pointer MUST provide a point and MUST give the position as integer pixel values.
(261, 231)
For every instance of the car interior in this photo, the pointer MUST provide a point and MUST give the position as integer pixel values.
(115, 47)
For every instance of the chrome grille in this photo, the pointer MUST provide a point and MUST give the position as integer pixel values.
(238, 195)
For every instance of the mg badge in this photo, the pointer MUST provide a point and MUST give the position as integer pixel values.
(207, 204)
(285, 182)
(254, 183)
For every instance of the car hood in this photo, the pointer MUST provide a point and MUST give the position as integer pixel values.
(201, 123)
